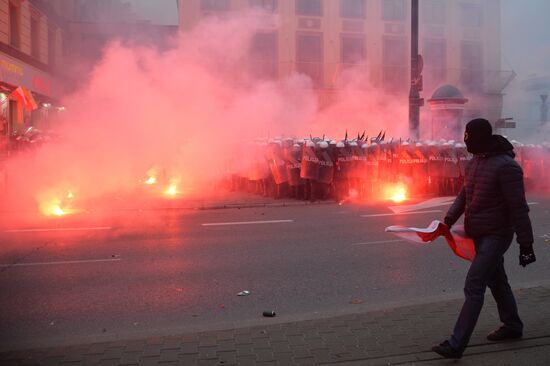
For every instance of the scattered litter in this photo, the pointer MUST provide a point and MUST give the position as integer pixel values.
(269, 314)
(356, 301)
(104, 330)
(244, 293)
(52, 322)
(179, 289)
(222, 306)
(136, 323)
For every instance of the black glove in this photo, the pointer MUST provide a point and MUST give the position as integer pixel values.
(448, 221)
(526, 255)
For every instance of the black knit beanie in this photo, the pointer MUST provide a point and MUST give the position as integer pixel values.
(477, 135)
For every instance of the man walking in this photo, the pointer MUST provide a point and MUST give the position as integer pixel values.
(494, 206)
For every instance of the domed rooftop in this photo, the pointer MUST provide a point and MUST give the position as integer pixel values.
(448, 92)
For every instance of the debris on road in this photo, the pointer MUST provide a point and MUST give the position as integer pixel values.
(356, 301)
(269, 314)
(244, 293)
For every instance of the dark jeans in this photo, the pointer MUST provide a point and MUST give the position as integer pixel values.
(487, 269)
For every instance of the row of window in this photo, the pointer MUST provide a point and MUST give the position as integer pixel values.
(309, 57)
(309, 48)
(15, 34)
(431, 11)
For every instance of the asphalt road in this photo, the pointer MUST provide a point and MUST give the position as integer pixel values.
(131, 274)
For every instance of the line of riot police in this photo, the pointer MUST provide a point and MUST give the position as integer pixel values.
(320, 169)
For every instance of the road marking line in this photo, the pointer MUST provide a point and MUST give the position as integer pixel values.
(434, 202)
(60, 262)
(245, 222)
(402, 213)
(59, 229)
(443, 201)
(379, 242)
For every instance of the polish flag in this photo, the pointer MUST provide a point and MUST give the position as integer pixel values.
(24, 96)
(458, 241)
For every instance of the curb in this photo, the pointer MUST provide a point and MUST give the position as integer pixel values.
(472, 352)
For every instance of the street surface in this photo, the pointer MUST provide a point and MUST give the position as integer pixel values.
(141, 273)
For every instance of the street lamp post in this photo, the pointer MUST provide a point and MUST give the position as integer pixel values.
(415, 102)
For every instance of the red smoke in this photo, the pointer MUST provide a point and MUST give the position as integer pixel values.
(184, 115)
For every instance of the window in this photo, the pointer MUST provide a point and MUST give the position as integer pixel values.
(395, 61)
(267, 5)
(309, 56)
(395, 52)
(35, 38)
(471, 15)
(263, 55)
(393, 10)
(433, 11)
(435, 59)
(471, 57)
(352, 8)
(51, 47)
(352, 50)
(14, 26)
(215, 5)
(309, 7)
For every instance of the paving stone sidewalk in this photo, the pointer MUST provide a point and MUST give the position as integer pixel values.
(401, 335)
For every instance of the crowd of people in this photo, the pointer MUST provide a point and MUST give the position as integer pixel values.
(323, 169)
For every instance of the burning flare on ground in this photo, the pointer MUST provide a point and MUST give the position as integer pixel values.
(151, 177)
(151, 180)
(396, 192)
(172, 189)
(55, 206)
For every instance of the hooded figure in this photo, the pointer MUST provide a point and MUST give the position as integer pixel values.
(477, 136)
(493, 202)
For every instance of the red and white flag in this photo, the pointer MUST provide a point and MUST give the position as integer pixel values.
(24, 96)
(458, 241)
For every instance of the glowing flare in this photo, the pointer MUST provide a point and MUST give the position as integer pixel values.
(396, 193)
(172, 190)
(70, 194)
(58, 211)
(399, 197)
(53, 208)
(151, 180)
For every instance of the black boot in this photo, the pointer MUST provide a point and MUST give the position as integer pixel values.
(503, 333)
(444, 349)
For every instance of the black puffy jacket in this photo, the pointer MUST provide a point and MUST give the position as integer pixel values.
(493, 196)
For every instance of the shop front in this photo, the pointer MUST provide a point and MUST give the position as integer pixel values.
(27, 98)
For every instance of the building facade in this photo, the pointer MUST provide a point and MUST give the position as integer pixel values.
(94, 24)
(529, 105)
(459, 41)
(48, 47)
(31, 53)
